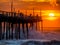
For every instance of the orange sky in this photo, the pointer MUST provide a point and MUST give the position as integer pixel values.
(36, 4)
(5, 4)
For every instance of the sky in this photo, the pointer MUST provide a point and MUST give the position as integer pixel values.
(30, 4)
(6, 4)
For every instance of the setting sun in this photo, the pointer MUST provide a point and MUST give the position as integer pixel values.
(51, 14)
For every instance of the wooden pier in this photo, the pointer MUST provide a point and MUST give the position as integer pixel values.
(10, 23)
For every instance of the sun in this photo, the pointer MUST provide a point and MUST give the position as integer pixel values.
(51, 14)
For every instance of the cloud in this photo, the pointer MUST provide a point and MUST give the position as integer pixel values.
(18, 4)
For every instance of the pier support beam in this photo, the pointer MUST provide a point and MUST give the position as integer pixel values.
(12, 31)
(0, 30)
(4, 31)
(31, 25)
(19, 30)
(39, 25)
(36, 26)
(23, 28)
(9, 30)
(42, 26)
(27, 30)
(16, 36)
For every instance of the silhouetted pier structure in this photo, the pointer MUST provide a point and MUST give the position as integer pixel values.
(10, 23)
